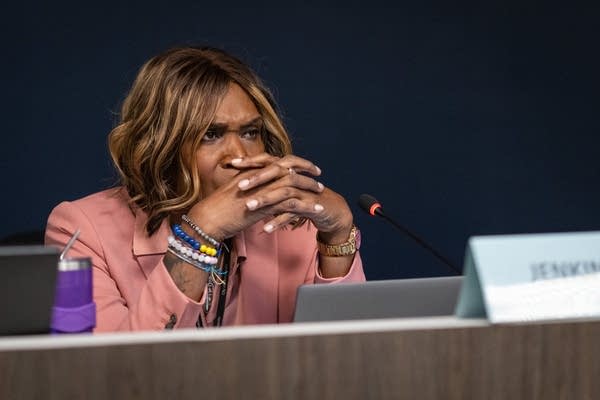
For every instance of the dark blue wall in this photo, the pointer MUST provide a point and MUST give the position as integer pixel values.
(462, 121)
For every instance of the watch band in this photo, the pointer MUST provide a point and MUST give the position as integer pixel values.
(347, 248)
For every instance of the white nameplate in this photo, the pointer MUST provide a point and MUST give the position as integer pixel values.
(516, 278)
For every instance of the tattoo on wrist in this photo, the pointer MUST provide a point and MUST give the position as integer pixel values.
(175, 268)
(171, 261)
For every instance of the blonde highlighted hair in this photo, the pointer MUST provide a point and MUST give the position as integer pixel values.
(168, 110)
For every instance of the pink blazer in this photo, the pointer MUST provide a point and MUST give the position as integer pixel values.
(134, 291)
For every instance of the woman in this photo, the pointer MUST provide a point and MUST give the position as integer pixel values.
(216, 222)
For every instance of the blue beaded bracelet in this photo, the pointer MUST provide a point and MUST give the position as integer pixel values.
(180, 233)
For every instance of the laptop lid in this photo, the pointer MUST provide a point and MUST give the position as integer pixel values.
(398, 298)
(27, 285)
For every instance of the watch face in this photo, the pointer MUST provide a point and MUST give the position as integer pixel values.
(357, 239)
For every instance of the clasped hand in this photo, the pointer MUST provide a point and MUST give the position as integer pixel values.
(278, 190)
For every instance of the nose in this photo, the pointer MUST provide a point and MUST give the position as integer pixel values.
(232, 148)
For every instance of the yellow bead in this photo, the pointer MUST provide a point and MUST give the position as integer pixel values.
(203, 248)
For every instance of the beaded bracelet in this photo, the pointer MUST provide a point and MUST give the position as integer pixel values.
(203, 267)
(200, 232)
(189, 252)
(208, 250)
(177, 230)
(217, 273)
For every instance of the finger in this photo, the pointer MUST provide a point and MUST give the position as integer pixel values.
(257, 161)
(301, 189)
(280, 221)
(289, 161)
(299, 165)
(303, 182)
(262, 176)
(302, 207)
(288, 165)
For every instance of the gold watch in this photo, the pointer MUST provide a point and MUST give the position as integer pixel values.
(343, 249)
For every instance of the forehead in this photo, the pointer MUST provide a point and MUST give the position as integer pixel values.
(236, 107)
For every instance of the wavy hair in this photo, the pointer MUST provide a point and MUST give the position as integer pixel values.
(167, 111)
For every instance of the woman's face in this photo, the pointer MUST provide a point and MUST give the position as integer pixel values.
(234, 133)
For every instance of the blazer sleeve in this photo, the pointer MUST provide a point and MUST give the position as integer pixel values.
(354, 274)
(158, 304)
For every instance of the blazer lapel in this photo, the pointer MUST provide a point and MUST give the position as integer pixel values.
(145, 246)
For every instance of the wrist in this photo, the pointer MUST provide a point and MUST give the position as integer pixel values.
(340, 232)
(347, 247)
(335, 237)
(202, 229)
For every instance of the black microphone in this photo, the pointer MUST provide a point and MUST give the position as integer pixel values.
(369, 204)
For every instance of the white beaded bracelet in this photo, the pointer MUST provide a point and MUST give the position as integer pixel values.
(186, 251)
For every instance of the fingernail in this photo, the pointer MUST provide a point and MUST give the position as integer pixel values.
(251, 204)
(243, 183)
(318, 208)
(320, 185)
(268, 228)
(236, 161)
(318, 170)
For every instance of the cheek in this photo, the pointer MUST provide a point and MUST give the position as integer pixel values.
(255, 148)
(209, 181)
(205, 166)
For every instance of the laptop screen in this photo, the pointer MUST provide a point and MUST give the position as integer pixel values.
(398, 298)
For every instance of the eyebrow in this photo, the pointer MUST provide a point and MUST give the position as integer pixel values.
(221, 126)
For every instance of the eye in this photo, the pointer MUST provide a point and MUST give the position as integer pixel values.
(211, 135)
(251, 133)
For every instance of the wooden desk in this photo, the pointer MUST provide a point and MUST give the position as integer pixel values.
(427, 358)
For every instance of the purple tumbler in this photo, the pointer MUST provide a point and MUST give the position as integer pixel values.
(74, 308)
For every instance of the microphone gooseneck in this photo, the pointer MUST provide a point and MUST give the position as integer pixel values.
(371, 206)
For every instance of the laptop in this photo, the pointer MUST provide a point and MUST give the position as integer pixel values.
(397, 298)
(27, 285)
